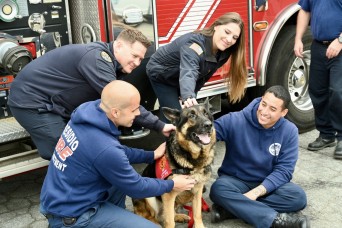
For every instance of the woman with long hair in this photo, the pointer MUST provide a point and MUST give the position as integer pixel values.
(178, 70)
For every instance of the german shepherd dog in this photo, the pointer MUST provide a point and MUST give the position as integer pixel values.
(189, 151)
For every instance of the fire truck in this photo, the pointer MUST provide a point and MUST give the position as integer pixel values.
(30, 28)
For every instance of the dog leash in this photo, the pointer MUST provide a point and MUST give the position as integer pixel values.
(205, 208)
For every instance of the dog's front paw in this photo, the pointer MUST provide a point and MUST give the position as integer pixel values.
(183, 218)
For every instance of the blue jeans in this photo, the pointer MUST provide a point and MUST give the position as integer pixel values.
(325, 89)
(168, 96)
(45, 128)
(111, 213)
(228, 191)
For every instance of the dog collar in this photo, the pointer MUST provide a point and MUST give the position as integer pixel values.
(183, 171)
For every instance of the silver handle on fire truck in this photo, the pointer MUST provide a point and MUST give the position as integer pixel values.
(56, 7)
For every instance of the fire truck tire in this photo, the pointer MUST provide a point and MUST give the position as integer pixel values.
(284, 68)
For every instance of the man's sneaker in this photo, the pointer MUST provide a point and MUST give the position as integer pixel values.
(218, 214)
(321, 143)
(285, 220)
(338, 150)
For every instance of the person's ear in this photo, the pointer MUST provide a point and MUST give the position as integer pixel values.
(215, 28)
(117, 45)
(115, 112)
(284, 112)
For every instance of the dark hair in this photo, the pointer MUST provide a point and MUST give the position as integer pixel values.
(132, 35)
(281, 93)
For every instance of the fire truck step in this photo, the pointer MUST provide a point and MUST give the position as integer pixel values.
(11, 130)
(21, 162)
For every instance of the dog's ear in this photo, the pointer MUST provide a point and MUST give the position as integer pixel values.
(171, 114)
(206, 104)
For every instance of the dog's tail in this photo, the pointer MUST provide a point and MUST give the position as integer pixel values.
(149, 208)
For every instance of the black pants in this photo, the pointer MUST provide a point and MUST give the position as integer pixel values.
(325, 89)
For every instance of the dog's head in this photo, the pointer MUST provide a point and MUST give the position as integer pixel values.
(194, 124)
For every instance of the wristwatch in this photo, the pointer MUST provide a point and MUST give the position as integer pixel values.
(340, 39)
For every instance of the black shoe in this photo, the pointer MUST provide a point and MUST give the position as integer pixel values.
(285, 220)
(218, 214)
(338, 150)
(321, 143)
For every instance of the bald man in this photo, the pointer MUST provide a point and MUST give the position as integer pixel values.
(90, 172)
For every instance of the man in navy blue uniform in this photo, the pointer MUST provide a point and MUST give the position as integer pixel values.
(90, 172)
(254, 182)
(325, 82)
(47, 90)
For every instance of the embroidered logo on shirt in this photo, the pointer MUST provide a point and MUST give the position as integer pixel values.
(274, 149)
(196, 48)
(106, 57)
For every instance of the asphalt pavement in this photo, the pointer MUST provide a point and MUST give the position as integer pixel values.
(317, 172)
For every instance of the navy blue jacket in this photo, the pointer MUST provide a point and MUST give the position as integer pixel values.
(178, 64)
(88, 160)
(62, 79)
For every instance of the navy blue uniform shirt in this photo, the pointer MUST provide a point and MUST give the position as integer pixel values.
(64, 78)
(326, 18)
(187, 63)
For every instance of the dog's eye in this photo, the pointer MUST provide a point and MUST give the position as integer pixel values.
(192, 116)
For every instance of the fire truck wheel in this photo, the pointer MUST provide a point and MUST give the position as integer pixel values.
(284, 68)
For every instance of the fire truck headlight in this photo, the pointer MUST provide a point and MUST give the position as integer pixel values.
(9, 10)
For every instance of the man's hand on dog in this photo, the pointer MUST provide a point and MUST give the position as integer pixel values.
(168, 128)
(183, 182)
(160, 151)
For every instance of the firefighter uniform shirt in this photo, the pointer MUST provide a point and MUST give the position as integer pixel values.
(186, 63)
(64, 78)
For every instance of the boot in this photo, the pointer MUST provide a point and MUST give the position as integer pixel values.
(338, 150)
(321, 143)
(219, 214)
(285, 220)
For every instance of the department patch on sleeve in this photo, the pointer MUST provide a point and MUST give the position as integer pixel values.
(106, 57)
(196, 48)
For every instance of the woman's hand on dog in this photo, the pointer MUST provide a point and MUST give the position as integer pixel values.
(160, 151)
(183, 182)
(189, 102)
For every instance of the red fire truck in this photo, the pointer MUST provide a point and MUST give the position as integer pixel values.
(29, 28)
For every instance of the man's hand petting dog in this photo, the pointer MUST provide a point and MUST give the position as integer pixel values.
(183, 182)
(160, 151)
(168, 128)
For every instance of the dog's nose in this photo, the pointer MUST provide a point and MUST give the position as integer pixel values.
(208, 124)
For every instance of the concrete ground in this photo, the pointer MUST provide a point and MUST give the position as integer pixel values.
(317, 172)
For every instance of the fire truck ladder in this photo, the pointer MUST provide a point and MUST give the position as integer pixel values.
(16, 155)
